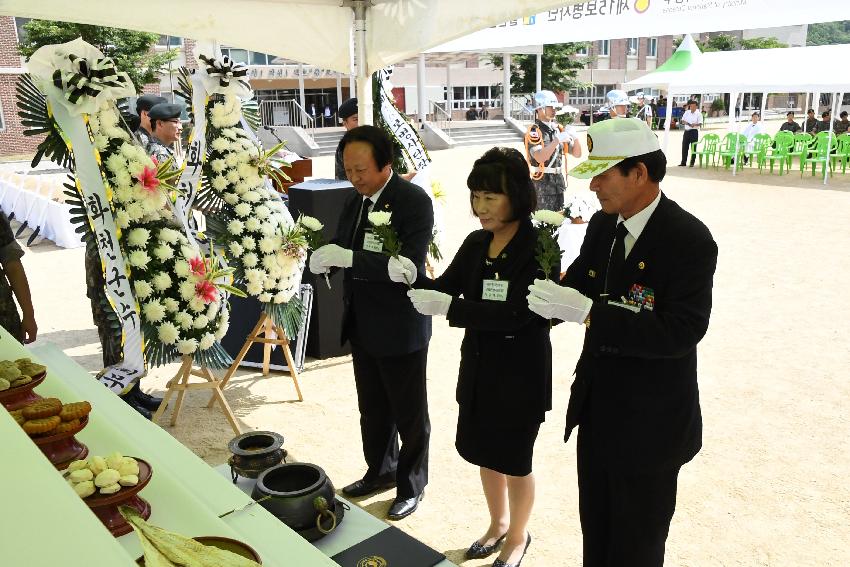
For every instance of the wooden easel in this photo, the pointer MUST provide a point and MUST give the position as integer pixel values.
(266, 333)
(180, 384)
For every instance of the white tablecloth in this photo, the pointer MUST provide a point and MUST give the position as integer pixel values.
(570, 237)
(38, 210)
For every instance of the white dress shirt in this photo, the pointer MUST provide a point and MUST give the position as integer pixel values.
(692, 117)
(636, 223)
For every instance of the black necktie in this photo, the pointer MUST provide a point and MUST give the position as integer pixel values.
(360, 227)
(617, 258)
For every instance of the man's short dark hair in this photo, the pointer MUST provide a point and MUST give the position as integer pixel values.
(504, 170)
(810, 111)
(376, 138)
(825, 113)
(843, 114)
(690, 102)
(756, 114)
(789, 114)
(655, 162)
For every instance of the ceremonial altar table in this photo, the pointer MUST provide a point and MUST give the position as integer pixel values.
(37, 207)
(570, 237)
(46, 523)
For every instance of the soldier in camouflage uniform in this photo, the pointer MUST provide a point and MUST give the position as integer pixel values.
(546, 142)
(165, 130)
(143, 106)
(13, 279)
(348, 114)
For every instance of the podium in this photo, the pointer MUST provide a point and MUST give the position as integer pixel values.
(323, 199)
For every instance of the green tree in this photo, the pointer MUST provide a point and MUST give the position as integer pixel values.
(829, 33)
(762, 43)
(726, 42)
(131, 50)
(720, 42)
(559, 68)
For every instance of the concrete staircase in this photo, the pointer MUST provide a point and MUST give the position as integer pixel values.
(491, 132)
(328, 139)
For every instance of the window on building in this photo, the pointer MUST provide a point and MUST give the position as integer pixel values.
(604, 47)
(632, 47)
(652, 48)
(19, 28)
(237, 55)
(582, 50)
(475, 97)
(590, 96)
(170, 41)
(258, 58)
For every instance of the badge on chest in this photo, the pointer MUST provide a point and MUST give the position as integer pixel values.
(371, 243)
(494, 290)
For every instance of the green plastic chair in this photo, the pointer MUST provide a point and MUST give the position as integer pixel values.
(842, 153)
(731, 149)
(782, 144)
(819, 155)
(761, 142)
(709, 149)
(802, 142)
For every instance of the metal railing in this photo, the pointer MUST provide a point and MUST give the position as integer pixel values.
(286, 113)
(520, 109)
(439, 115)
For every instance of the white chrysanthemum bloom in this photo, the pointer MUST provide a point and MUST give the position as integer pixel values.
(184, 320)
(255, 275)
(254, 288)
(241, 187)
(161, 281)
(269, 262)
(222, 329)
(197, 304)
(232, 176)
(228, 132)
(123, 179)
(262, 212)
(122, 194)
(268, 228)
(285, 295)
(265, 297)
(108, 117)
(136, 211)
(212, 310)
(310, 223)
(201, 321)
(182, 268)
(142, 289)
(267, 245)
(236, 249)
(207, 341)
(231, 198)
(218, 165)
(167, 333)
(128, 151)
(186, 289)
(253, 151)
(116, 163)
(139, 258)
(138, 237)
(380, 218)
(171, 304)
(101, 142)
(153, 311)
(243, 168)
(231, 160)
(250, 196)
(219, 183)
(288, 265)
(252, 224)
(248, 243)
(254, 180)
(122, 219)
(548, 217)
(236, 146)
(163, 252)
(168, 235)
(187, 346)
(242, 210)
(135, 168)
(249, 260)
(220, 144)
(235, 227)
(115, 132)
(189, 251)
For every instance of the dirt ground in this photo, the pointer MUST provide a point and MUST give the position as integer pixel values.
(770, 486)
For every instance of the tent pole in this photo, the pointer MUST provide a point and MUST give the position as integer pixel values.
(836, 105)
(668, 117)
(506, 86)
(301, 99)
(420, 90)
(338, 90)
(539, 79)
(450, 94)
(735, 150)
(365, 107)
(733, 104)
(763, 105)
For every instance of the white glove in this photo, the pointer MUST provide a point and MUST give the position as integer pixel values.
(401, 270)
(552, 301)
(330, 256)
(565, 137)
(430, 302)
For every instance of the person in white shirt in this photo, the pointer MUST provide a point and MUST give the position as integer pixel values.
(692, 119)
(645, 110)
(753, 128)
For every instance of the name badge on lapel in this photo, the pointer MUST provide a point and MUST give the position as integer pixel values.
(495, 290)
(371, 243)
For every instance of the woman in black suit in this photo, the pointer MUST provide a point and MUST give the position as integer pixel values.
(505, 380)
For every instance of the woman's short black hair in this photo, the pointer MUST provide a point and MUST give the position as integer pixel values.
(382, 146)
(655, 162)
(504, 170)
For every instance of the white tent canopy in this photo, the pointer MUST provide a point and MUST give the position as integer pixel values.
(685, 56)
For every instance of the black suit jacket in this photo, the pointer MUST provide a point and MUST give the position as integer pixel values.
(377, 314)
(505, 376)
(636, 379)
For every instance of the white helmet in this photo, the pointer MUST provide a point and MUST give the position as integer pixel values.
(617, 98)
(543, 99)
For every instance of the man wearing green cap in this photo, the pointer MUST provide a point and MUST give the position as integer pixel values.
(642, 287)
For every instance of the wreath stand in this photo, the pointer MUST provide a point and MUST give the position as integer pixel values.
(265, 332)
(180, 384)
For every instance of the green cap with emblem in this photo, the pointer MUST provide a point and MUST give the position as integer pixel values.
(611, 141)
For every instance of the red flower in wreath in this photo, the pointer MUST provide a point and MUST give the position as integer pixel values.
(197, 267)
(206, 291)
(148, 179)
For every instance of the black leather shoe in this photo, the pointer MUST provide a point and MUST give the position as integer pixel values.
(500, 563)
(134, 403)
(479, 551)
(403, 508)
(150, 403)
(365, 487)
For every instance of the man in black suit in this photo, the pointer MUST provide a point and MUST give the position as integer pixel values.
(389, 338)
(642, 286)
